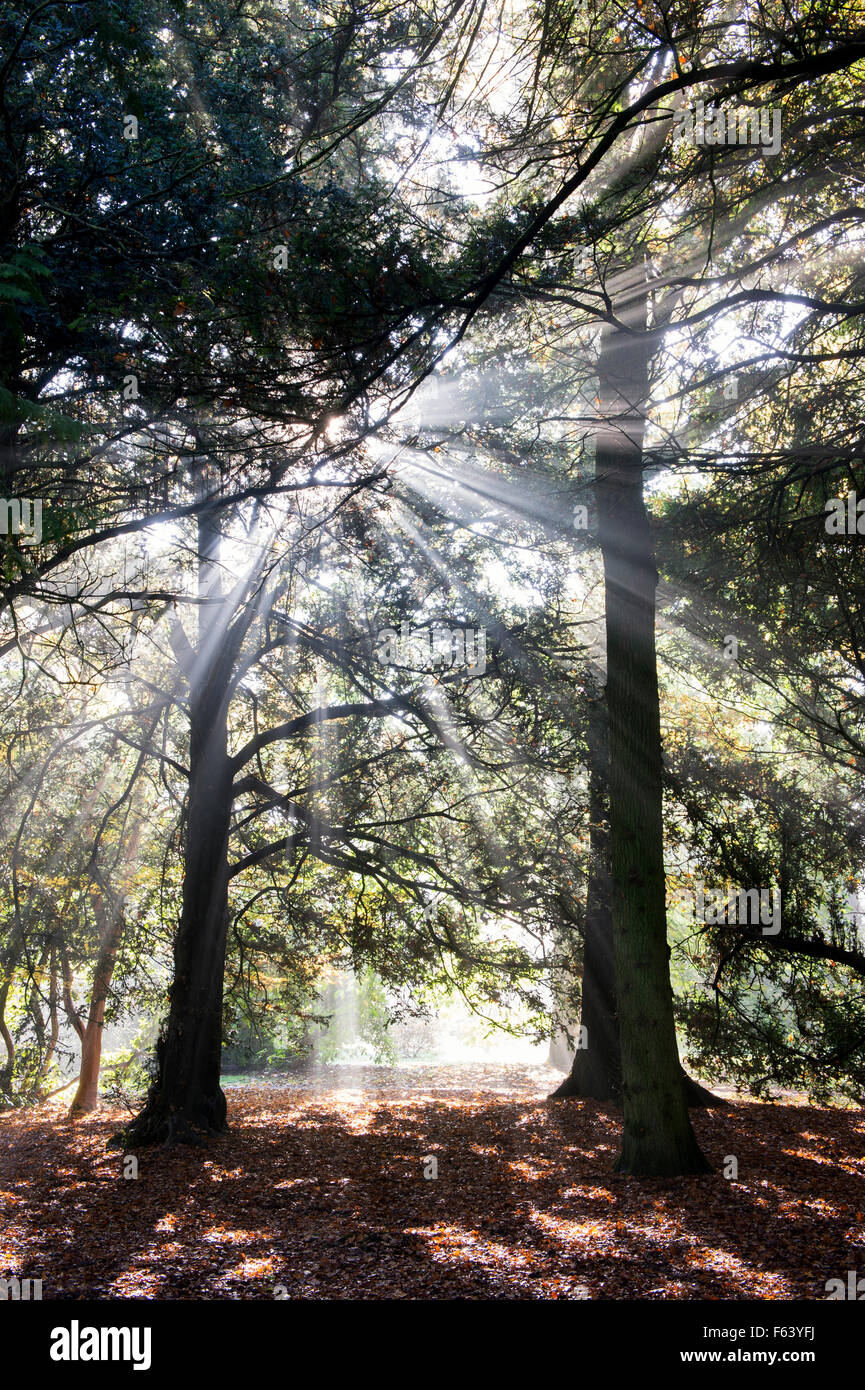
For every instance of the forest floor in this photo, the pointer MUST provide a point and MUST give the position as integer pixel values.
(319, 1191)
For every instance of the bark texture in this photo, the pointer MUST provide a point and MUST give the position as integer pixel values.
(657, 1134)
(185, 1101)
(596, 1069)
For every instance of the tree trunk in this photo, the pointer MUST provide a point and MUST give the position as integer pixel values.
(597, 1066)
(596, 1070)
(108, 907)
(9, 962)
(185, 1100)
(53, 1016)
(111, 930)
(657, 1134)
(33, 1000)
(68, 1002)
(8, 1041)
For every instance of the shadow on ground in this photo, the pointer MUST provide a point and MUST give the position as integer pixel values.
(318, 1191)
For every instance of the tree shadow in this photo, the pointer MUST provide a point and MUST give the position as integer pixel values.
(319, 1195)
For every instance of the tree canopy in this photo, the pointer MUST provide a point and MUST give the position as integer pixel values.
(434, 496)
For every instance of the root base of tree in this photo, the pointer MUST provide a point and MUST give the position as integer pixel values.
(161, 1123)
(644, 1158)
(579, 1088)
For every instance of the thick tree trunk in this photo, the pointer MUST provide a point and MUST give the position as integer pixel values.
(186, 1101)
(596, 1069)
(657, 1136)
(87, 1094)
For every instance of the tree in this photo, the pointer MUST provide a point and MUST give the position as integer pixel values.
(657, 1132)
(301, 293)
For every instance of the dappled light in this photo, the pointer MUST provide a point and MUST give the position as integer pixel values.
(323, 1191)
(432, 672)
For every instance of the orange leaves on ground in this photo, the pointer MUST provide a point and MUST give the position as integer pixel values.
(320, 1187)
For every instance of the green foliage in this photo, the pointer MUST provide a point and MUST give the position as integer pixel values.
(437, 841)
(358, 1021)
(125, 1073)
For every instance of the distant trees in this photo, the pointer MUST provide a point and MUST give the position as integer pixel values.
(79, 885)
